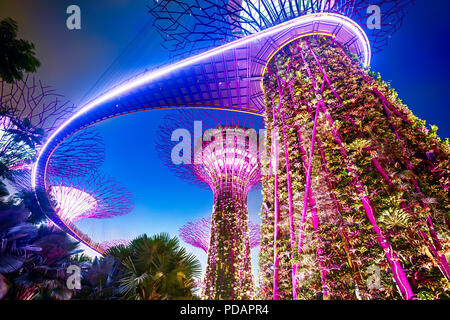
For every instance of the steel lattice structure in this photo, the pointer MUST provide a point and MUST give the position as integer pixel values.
(80, 155)
(31, 99)
(197, 233)
(106, 245)
(192, 26)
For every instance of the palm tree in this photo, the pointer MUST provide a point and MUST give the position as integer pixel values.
(16, 245)
(16, 55)
(99, 280)
(155, 268)
(48, 273)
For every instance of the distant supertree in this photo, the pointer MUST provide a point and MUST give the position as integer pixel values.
(226, 159)
(105, 245)
(192, 26)
(196, 124)
(80, 155)
(29, 99)
(198, 233)
(29, 111)
(95, 196)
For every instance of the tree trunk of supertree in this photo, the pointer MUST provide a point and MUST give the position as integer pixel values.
(362, 186)
(228, 272)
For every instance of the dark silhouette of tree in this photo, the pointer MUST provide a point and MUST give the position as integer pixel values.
(16, 55)
(33, 260)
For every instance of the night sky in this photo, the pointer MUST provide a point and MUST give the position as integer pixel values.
(415, 62)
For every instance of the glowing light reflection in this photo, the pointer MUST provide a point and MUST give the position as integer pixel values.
(72, 203)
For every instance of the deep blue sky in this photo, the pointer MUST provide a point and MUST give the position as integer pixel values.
(416, 62)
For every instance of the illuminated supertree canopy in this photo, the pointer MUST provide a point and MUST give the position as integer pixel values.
(228, 164)
(95, 196)
(197, 233)
(192, 26)
(225, 158)
(196, 126)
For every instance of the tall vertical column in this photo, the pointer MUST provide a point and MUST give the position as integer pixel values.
(366, 231)
(228, 272)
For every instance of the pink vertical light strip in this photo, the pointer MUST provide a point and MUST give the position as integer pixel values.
(308, 189)
(396, 267)
(281, 89)
(308, 179)
(276, 261)
(394, 263)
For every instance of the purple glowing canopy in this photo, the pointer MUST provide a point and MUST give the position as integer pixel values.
(93, 196)
(206, 162)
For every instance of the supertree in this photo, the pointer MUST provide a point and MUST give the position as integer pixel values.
(198, 233)
(225, 159)
(29, 112)
(357, 187)
(95, 196)
(29, 99)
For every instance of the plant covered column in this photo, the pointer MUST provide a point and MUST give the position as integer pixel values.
(228, 272)
(364, 185)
